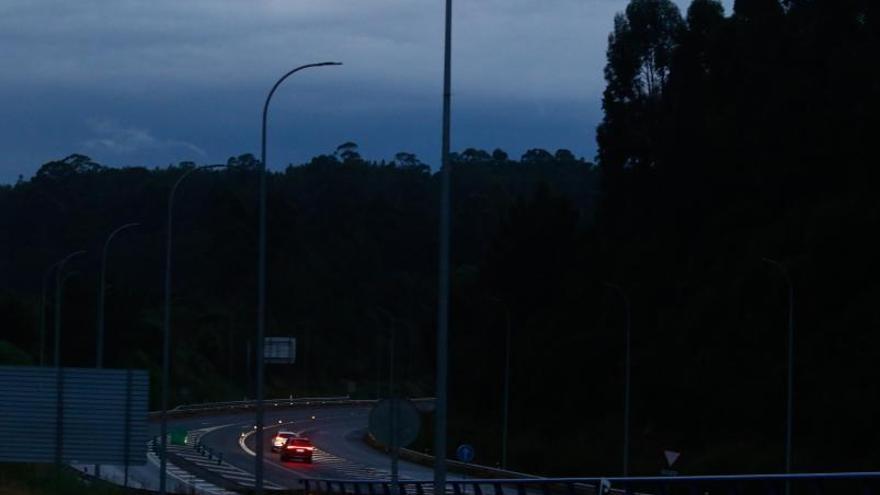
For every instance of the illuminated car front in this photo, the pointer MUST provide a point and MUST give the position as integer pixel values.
(280, 439)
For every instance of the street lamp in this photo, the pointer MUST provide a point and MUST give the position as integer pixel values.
(789, 406)
(506, 401)
(60, 278)
(393, 417)
(626, 386)
(46, 275)
(261, 280)
(166, 340)
(59, 285)
(99, 352)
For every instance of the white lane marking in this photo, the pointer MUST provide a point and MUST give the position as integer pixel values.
(241, 443)
(223, 469)
(184, 477)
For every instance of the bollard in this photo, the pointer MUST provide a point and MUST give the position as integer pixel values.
(210, 453)
(220, 458)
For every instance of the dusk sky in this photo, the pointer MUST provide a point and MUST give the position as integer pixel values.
(162, 81)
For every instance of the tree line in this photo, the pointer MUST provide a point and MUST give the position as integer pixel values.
(727, 138)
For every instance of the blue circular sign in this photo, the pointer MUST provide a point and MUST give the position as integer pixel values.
(465, 453)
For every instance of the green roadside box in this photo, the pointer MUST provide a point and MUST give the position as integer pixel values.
(178, 437)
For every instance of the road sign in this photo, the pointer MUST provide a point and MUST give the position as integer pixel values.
(279, 350)
(400, 412)
(465, 453)
(671, 456)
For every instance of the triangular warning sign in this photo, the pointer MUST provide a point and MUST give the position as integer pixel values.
(671, 456)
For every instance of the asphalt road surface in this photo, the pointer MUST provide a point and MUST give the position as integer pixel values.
(336, 431)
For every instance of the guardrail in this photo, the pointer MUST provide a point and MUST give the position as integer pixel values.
(246, 404)
(857, 483)
(220, 407)
(478, 471)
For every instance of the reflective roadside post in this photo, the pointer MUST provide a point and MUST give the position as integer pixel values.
(166, 338)
(789, 392)
(261, 280)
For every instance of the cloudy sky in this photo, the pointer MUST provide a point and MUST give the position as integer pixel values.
(153, 82)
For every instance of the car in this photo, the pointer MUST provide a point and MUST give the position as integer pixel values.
(297, 448)
(280, 439)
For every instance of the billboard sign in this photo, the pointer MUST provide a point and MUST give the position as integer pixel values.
(280, 350)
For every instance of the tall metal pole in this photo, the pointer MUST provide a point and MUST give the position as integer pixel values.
(166, 338)
(99, 352)
(790, 390)
(59, 282)
(393, 418)
(627, 371)
(504, 419)
(505, 412)
(43, 298)
(395, 440)
(261, 281)
(59, 402)
(443, 275)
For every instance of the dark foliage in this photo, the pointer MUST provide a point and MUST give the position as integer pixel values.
(726, 139)
(758, 144)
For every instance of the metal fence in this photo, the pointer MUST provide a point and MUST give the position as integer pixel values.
(73, 415)
(861, 483)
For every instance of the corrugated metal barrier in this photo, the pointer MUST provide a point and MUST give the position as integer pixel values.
(103, 415)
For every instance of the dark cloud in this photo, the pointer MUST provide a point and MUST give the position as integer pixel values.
(150, 83)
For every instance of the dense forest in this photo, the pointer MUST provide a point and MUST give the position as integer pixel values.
(728, 138)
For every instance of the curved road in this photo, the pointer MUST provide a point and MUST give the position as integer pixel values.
(336, 431)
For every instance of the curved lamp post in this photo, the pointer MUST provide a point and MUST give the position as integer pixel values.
(789, 405)
(60, 278)
(626, 386)
(59, 283)
(166, 340)
(99, 352)
(261, 280)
